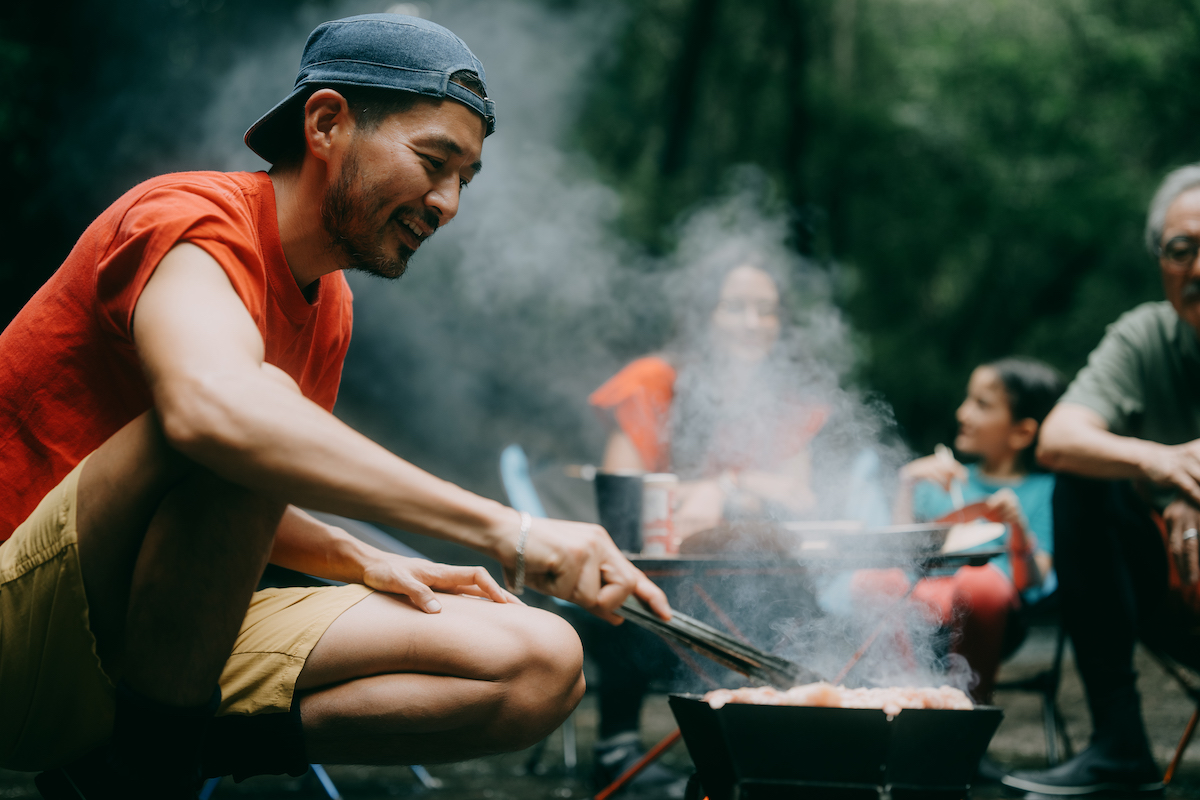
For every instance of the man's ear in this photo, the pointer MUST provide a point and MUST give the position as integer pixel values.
(327, 123)
(1023, 433)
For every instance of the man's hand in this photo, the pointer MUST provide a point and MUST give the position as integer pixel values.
(1175, 465)
(1183, 521)
(578, 562)
(418, 579)
(939, 468)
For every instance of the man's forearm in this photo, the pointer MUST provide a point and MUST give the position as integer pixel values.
(1076, 440)
(305, 544)
(266, 436)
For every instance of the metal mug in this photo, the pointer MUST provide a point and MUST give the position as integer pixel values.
(619, 506)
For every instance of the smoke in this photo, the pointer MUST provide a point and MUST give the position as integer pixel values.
(529, 300)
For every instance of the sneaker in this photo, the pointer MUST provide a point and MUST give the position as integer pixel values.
(616, 754)
(1094, 771)
(92, 777)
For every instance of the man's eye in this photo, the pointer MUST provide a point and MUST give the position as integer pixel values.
(463, 183)
(437, 163)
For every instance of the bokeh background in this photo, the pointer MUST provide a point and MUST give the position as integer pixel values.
(958, 181)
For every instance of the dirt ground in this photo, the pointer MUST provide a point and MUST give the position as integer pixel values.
(1019, 742)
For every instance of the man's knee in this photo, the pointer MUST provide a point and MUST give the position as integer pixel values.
(547, 683)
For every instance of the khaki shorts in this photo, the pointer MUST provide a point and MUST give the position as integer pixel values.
(56, 701)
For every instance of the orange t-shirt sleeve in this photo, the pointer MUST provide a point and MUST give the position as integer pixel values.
(161, 219)
(639, 397)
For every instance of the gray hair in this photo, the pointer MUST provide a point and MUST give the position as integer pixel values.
(1176, 183)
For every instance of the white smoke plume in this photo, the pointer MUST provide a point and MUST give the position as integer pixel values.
(529, 299)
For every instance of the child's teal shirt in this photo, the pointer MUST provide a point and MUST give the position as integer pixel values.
(1034, 491)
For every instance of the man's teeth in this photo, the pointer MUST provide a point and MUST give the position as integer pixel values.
(412, 228)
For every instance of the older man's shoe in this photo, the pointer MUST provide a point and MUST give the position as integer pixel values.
(1095, 771)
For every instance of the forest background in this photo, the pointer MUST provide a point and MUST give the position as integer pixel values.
(972, 175)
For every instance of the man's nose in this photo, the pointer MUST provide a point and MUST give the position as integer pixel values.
(443, 199)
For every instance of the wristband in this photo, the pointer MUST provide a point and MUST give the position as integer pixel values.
(518, 586)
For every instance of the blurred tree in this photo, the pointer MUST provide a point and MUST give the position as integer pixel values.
(95, 97)
(975, 175)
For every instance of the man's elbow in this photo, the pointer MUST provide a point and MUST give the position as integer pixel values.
(1054, 447)
(1050, 456)
(199, 417)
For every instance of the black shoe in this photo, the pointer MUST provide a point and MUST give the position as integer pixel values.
(92, 777)
(87, 778)
(1094, 771)
(617, 754)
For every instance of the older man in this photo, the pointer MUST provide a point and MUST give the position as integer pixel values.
(1125, 439)
(166, 397)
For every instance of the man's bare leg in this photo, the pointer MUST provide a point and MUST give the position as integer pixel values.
(170, 555)
(388, 684)
(189, 546)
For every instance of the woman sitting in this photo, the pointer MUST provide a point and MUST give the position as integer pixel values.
(721, 408)
(717, 409)
(998, 425)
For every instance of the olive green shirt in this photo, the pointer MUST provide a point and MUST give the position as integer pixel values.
(1144, 379)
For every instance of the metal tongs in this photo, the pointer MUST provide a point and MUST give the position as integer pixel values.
(727, 651)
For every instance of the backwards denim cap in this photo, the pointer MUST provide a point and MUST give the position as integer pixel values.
(387, 51)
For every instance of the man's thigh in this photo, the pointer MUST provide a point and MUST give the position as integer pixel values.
(470, 638)
(55, 700)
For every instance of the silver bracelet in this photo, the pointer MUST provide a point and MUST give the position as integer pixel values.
(518, 586)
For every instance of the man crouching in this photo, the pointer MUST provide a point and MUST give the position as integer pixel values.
(166, 399)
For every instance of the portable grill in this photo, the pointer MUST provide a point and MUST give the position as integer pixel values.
(744, 751)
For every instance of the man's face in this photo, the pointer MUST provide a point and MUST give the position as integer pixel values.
(397, 184)
(1182, 283)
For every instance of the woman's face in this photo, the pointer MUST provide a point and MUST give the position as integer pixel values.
(985, 424)
(745, 322)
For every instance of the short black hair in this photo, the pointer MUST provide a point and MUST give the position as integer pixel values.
(1033, 387)
(369, 105)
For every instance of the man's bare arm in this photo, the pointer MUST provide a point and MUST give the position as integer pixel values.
(306, 544)
(1076, 439)
(202, 355)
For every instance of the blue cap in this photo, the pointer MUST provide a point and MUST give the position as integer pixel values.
(387, 51)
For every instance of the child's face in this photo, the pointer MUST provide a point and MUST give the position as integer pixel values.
(985, 424)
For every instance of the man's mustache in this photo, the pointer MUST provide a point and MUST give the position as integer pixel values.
(1191, 291)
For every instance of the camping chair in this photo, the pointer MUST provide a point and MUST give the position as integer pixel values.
(1189, 681)
(1045, 683)
(523, 496)
(277, 576)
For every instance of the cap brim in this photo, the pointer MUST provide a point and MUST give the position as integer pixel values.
(269, 134)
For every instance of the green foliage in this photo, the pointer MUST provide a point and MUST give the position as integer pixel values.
(975, 174)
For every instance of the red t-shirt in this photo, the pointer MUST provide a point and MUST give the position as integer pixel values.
(69, 373)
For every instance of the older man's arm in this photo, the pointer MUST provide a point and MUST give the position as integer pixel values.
(1076, 439)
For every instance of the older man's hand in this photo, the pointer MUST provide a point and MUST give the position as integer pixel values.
(577, 561)
(1183, 524)
(1177, 466)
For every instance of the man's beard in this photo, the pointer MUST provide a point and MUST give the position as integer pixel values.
(346, 210)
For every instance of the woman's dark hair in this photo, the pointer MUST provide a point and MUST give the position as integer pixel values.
(1032, 387)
